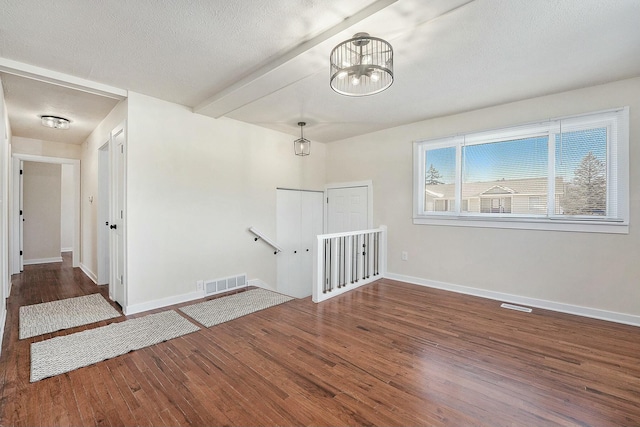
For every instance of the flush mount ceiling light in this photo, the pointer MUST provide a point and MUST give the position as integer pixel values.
(55, 122)
(362, 65)
(302, 146)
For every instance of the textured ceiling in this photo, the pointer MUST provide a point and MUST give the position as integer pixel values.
(266, 62)
(29, 99)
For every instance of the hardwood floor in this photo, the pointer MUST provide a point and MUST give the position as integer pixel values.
(386, 354)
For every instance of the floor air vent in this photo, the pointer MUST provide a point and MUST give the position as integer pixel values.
(226, 284)
(516, 307)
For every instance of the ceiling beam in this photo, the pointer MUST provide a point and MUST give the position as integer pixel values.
(220, 104)
(60, 79)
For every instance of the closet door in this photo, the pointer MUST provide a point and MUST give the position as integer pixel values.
(311, 223)
(299, 220)
(288, 237)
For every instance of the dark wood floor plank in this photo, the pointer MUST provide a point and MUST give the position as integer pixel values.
(72, 408)
(82, 399)
(231, 383)
(387, 354)
(148, 407)
(157, 397)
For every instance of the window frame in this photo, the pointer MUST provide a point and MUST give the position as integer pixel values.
(616, 121)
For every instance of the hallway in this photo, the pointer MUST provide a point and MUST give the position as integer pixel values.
(38, 283)
(49, 282)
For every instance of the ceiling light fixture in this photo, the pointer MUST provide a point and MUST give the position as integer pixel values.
(55, 122)
(302, 146)
(362, 65)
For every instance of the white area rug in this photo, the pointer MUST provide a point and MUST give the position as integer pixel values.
(220, 310)
(63, 354)
(53, 316)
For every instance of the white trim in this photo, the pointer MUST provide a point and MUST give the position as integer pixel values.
(90, 274)
(528, 223)
(595, 313)
(260, 284)
(179, 299)
(162, 302)
(3, 319)
(60, 79)
(67, 250)
(103, 266)
(15, 265)
(42, 260)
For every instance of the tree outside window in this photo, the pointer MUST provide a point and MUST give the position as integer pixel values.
(587, 193)
(432, 177)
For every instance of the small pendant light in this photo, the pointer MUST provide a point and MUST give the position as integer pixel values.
(302, 146)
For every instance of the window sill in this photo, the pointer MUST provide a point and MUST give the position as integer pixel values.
(527, 224)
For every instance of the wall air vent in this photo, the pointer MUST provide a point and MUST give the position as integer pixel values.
(225, 284)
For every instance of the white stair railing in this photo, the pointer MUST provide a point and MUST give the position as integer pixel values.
(345, 261)
(267, 240)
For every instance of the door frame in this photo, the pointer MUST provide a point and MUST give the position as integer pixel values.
(104, 214)
(14, 216)
(336, 185)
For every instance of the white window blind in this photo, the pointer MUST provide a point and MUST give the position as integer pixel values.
(565, 171)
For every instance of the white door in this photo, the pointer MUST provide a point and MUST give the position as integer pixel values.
(347, 209)
(21, 216)
(298, 222)
(288, 237)
(311, 224)
(118, 279)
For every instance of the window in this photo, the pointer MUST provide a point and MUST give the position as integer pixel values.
(565, 174)
(536, 206)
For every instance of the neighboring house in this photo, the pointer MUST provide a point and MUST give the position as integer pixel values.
(513, 196)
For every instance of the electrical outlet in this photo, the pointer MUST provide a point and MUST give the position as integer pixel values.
(405, 255)
(200, 285)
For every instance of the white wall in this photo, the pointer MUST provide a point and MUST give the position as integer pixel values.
(5, 149)
(89, 187)
(67, 204)
(39, 147)
(599, 271)
(41, 195)
(195, 185)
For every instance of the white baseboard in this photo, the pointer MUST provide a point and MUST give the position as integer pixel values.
(178, 299)
(595, 313)
(90, 274)
(260, 284)
(3, 319)
(66, 250)
(42, 260)
(162, 302)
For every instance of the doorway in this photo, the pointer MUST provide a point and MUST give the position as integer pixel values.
(42, 213)
(16, 212)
